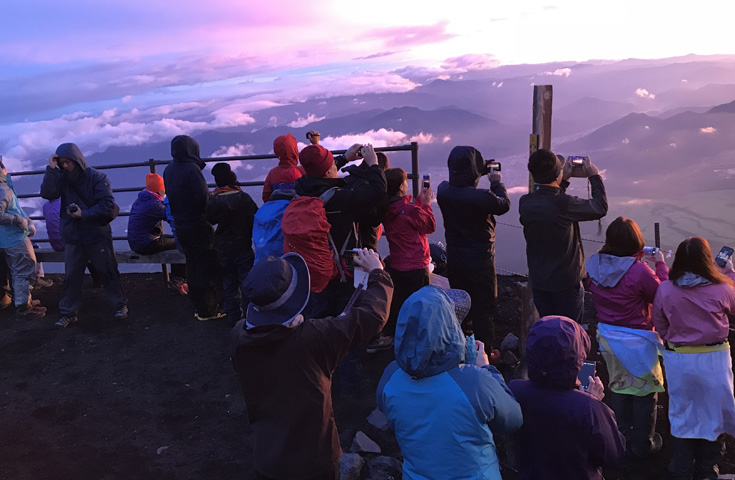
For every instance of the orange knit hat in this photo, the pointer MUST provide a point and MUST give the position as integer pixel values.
(154, 182)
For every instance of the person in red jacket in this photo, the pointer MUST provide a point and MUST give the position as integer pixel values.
(283, 176)
(407, 222)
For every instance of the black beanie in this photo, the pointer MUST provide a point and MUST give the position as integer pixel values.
(544, 166)
(223, 175)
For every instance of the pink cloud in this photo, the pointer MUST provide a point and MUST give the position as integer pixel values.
(412, 36)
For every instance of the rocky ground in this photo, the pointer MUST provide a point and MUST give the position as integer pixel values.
(155, 396)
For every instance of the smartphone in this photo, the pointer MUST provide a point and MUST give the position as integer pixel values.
(724, 255)
(350, 256)
(427, 181)
(650, 251)
(492, 166)
(577, 160)
(589, 369)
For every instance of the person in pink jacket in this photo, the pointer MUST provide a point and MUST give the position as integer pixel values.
(406, 222)
(284, 175)
(623, 288)
(690, 312)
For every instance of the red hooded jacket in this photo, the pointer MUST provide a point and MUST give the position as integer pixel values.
(287, 172)
(406, 226)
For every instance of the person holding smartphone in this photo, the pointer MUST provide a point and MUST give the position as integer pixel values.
(623, 288)
(690, 312)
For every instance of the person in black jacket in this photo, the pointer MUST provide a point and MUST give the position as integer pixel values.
(553, 242)
(87, 208)
(187, 195)
(232, 210)
(469, 225)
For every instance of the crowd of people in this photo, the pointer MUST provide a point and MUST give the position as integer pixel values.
(301, 281)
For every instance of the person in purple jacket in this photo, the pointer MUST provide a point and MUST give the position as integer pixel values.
(567, 433)
(623, 288)
(690, 313)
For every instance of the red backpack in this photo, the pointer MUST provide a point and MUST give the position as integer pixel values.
(306, 231)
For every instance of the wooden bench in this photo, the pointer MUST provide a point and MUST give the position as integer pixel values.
(124, 256)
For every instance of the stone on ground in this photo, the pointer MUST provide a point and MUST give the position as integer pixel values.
(363, 444)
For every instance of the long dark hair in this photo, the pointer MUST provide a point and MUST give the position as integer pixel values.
(694, 255)
(623, 238)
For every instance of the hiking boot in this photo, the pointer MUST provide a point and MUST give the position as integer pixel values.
(5, 301)
(31, 311)
(216, 316)
(43, 282)
(66, 320)
(381, 343)
(121, 313)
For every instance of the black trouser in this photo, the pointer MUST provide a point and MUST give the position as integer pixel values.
(636, 418)
(567, 303)
(202, 269)
(472, 269)
(235, 267)
(690, 455)
(101, 256)
(405, 284)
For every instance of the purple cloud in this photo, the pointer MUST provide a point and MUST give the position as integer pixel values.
(411, 36)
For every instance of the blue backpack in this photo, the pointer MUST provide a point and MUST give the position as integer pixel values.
(267, 234)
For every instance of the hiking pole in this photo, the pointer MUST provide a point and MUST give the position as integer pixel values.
(657, 234)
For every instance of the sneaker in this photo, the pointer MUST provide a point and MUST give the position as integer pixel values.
(381, 343)
(216, 316)
(121, 313)
(66, 320)
(31, 310)
(43, 282)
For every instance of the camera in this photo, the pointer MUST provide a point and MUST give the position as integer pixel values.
(72, 208)
(491, 166)
(650, 251)
(427, 181)
(577, 162)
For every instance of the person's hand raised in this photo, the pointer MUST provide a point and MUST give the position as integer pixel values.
(368, 153)
(368, 260)
(353, 153)
(595, 388)
(425, 196)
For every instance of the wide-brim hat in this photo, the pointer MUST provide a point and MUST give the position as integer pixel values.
(461, 302)
(277, 289)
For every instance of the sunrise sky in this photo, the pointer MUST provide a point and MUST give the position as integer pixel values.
(75, 68)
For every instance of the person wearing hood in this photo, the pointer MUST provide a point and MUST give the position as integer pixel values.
(444, 412)
(87, 208)
(567, 433)
(690, 312)
(469, 224)
(188, 194)
(284, 175)
(233, 211)
(623, 288)
(550, 220)
(15, 228)
(286, 361)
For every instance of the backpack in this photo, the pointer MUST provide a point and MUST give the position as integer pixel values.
(267, 234)
(306, 231)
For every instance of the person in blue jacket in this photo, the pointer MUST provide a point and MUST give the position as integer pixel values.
(567, 433)
(444, 412)
(87, 208)
(145, 224)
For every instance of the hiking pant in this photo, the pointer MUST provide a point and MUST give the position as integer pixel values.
(235, 267)
(689, 455)
(160, 244)
(472, 269)
(405, 284)
(101, 256)
(568, 302)
(636, 418)
(21, 262)
(202, 269)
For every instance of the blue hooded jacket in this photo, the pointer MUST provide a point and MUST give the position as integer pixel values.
(88, 188)
(444, 413)
(11, 234)
(567, 433)
(146, 220)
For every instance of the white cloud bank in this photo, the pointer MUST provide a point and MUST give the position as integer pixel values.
(643, 93)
